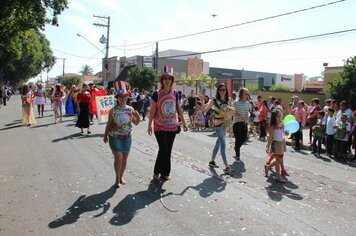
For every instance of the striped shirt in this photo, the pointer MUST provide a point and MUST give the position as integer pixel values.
(241, 109)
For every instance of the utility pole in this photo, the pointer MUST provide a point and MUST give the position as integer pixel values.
(104, 40)
(64, 62)
(156, 59)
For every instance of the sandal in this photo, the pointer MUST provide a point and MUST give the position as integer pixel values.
(167, 177)
(282, 181)
(89, 132)
(266, 170)
(123, 181)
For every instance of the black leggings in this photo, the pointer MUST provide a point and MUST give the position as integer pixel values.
(165, 141)
(240, 133)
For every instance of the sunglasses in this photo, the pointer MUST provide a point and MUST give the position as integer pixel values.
(222, 90)
(167, 78)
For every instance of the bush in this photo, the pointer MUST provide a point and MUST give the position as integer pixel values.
(279, 88)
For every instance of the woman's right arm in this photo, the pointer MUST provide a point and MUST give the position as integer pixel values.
(107, 128)
(152, 113)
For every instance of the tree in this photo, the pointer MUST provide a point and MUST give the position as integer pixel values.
(70, 80)
(142, 78)
(86, 70)
(24, 51)
(18, 16)
(343, 87)
(194, 80)
(26, 56)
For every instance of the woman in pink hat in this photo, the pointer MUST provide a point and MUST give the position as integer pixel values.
(118, 131)
(164, 111)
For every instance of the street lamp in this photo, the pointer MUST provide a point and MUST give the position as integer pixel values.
(79, 35)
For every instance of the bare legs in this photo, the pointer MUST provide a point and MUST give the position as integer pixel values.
(40, 109)
(120, 166)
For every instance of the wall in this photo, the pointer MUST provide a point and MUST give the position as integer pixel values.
(331, 74)
(285, 80)
(194, 66)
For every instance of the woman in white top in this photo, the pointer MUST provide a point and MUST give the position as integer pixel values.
(40, 99)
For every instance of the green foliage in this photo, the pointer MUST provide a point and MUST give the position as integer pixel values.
(142, 78)
(279, 88)
(24, 51)
(194, 80)
(26, 56)
(70, 80)
(252, 88)
(86, 70)
(343, 87)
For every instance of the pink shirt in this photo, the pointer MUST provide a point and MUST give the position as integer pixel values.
(165, 118)
(300, 115)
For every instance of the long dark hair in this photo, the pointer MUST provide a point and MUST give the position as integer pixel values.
(274, 117)
(217, 96)
(25, 89)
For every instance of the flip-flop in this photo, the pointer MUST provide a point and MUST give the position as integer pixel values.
(281, 181)
(123, 181)
(167, 177)
(156, 177)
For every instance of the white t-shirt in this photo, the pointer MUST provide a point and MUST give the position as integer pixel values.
(270, 107)
(330, 123)
(134, 97)
(255, 119)
(348, 113)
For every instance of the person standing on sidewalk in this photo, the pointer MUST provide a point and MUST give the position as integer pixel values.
(219, 107)
(262, 117)
(313, 113)
(164, 110)
(242, 107)
(118, 131)
(5, 95)
(330, 131)
(300, 116)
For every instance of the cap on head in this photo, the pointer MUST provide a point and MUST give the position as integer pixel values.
(344, 115)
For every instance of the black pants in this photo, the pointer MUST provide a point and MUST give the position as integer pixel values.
(341, 147)
(329, 144)
(135, 105)
(298, 137)
(165, 141)
(263, 125)
(317, 145)
(240, 133)
(4, 101)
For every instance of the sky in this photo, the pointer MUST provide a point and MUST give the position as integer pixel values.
(137, 21)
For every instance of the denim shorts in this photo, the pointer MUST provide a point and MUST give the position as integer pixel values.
(120, 144)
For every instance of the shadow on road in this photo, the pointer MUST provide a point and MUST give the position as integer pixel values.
(276, 191)
(12, 127)
(72, 136)
(238, 167)
(209, 186)
(85, 204)
(15, 122)
(127, 208)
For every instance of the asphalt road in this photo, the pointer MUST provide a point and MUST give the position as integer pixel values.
(54, 181)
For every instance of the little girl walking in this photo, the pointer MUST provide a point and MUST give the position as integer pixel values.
(199, 119)
(276, 145)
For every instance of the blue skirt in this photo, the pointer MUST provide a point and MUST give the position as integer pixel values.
(120, 144)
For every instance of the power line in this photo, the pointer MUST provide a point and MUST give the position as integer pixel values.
(265, 43)
(73, 55)
(241, 24)
(131, 49)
